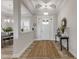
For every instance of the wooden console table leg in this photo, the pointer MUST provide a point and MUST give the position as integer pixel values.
(55, 38)
(67, 45)
(61, 43)
(4, 42)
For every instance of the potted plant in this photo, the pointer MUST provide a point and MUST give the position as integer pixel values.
(8, 29)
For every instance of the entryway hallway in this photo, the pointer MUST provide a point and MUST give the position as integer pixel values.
(45, 49)
(35, 25)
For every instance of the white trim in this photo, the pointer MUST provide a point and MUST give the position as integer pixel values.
(72, 53)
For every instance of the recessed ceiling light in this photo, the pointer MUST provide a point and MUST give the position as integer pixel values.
(45, 13)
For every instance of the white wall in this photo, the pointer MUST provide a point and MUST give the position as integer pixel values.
(70, 12)
(34, 25)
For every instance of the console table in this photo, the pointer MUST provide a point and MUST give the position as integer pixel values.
(64, 38)
(61, 39)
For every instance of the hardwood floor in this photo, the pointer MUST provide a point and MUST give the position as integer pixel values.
(44, 49)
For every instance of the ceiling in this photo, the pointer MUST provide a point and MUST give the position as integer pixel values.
(41, 6)
(37, 7)
(24, 11)
(7, 6)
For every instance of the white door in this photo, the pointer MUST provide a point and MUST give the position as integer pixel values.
(44, 31)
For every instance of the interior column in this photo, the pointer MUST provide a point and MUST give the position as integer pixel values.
(17, 25)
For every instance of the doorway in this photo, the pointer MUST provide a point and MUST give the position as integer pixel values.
(45, 28)
(44, 31)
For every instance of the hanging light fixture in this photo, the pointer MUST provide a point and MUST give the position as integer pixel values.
(45, 13)
(45, 22)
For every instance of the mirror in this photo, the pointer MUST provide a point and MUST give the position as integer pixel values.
(63, 24)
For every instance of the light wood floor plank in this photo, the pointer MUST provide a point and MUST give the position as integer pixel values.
(44, 49)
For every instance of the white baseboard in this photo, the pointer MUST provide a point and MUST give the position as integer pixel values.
(71, 52)
(43, 39)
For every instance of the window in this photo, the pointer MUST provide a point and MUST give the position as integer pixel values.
(25, 25)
